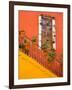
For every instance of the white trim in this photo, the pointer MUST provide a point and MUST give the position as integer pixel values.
(53, 33)
(47, 80)
(39, 42)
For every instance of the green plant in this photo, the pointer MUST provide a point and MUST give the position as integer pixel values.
(44, 46)
(26, 45)
(33, 39)
(21, 46)
(50, 59)
(51, 55)
(25, 41)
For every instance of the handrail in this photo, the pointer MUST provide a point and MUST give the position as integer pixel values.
(38, 46)
(31, 42)
(39, 56)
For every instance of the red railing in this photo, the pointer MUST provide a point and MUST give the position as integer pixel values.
(39, 55)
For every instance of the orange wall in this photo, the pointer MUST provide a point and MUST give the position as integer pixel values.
(28, 21)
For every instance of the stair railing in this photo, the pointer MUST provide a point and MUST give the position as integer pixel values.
(38, 54)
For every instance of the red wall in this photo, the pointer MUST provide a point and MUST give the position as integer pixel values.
(28, 21)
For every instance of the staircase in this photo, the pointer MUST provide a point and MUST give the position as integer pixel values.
(29, 68)
(39, 56)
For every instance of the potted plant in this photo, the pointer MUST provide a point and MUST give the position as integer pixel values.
(51, 55)
(26, 46)
(21, 46)
(45, 48)
(33, 40)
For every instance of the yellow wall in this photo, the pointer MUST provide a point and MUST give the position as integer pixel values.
(29, 68)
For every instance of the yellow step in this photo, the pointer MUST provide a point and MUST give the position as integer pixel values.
(30, 69)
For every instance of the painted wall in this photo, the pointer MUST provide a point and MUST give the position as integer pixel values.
(28, 21)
